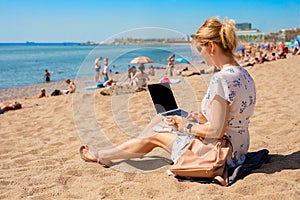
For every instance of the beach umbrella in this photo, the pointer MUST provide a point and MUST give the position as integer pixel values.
(141, 60)
(182, 60)
(290, 45)
(240, 48)
(287, 43)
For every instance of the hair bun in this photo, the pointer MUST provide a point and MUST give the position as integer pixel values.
(227, 34)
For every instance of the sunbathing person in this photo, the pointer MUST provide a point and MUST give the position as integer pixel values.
(6, 106)
(284, 52)
(250, 63)
(210, 70)
(71, 88)
(179, 71)
(41, 95)
(107, 83)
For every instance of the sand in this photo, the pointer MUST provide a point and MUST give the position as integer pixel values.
(40, 143)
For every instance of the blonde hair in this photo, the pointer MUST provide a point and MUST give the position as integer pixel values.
(222, 33)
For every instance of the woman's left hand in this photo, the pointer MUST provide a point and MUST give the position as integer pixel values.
(177, 122)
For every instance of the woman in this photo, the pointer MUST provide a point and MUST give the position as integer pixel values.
(141, 77)
(105, 70)
(41, 95)
(71, 87)
(171, 63)
(107, 83)
(97, 68)
(6, 106)
(225, 109)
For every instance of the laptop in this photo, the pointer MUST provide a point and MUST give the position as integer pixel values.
(164, 101)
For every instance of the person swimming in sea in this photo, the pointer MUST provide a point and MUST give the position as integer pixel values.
(47, 75)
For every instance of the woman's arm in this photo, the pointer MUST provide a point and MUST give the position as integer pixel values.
(219, 113)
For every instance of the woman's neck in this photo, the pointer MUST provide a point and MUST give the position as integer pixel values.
(226, 62)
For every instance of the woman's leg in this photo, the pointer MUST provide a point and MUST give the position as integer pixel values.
(134, 148)
(97, 75)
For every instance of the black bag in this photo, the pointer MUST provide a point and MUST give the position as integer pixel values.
(55, 93)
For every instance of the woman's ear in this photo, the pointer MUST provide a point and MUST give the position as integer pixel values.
(212, 46)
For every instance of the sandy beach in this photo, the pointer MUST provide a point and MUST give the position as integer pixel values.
(40, 144)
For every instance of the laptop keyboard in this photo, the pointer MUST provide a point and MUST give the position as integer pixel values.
(176, 112)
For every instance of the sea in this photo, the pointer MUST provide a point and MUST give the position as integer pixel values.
(23, 64)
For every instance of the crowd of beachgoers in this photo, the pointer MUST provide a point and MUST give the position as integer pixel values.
(250, 54)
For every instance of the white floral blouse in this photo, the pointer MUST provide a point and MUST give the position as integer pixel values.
(235, 85)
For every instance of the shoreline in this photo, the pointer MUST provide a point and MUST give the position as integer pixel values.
(11, 94)
(29, 91)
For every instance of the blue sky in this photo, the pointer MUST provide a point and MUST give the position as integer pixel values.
(97, 20)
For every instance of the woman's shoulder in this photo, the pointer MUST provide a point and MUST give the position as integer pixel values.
(233, 71)
(227, 74)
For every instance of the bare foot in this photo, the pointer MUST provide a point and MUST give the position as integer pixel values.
(92, 155)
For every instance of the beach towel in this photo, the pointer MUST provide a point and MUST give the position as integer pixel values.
(90, 88)
(95, 88)
(171, 81)
(93, 82)
(254, 160)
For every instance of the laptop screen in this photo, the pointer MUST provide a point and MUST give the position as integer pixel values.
(162, 97)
